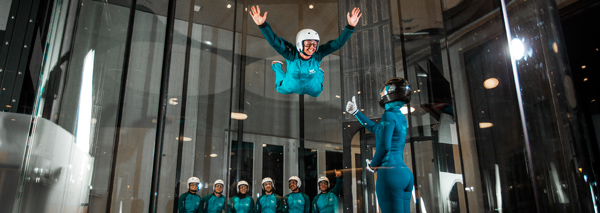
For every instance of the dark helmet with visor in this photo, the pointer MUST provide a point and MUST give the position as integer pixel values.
(394, 89)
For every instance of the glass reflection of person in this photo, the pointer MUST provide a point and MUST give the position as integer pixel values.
(304, 75)
(327, 200)
(243, 201)
(269, 202)
(190, 201)
(395, 180)
(214, 202)
(296, 201)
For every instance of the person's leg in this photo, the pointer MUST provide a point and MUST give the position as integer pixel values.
(315, 86)
(407, 192)
(280, 85)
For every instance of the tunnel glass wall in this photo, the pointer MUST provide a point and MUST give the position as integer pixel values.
(135, 97)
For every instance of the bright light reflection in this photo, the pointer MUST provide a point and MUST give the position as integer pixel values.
(585, 79)
(213, 155)
(404, 110)
(228, 5)
(239, 116)
(517, 50)
(311, 6)
(84, 114)
(184, 138)
(484, 125)
(491, 83)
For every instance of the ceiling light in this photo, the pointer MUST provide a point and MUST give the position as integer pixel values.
(491, 83)
(583, 67)
(228, 5)
(555, 47)
(484, 125)
(311, 6)
(173, 101)
(197, 8)
(517, 49)
(213, 155)
(585, 79)
(184, 138)
(238, 116)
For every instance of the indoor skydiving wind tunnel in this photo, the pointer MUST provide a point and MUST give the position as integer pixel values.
(111, 106)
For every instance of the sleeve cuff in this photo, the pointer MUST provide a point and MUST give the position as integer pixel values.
(262, 25)
(350, 27)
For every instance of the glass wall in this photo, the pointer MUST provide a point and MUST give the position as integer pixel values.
(135, 97)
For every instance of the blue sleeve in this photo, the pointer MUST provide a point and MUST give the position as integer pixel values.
(334, 45)
(257, 208)
(335, 203)
(204, 203)
(283, 47)
(315, 208)
(337, 189)
(281, 204)
(180, 204)
(384, 138)
(306, 203)
(366, 122)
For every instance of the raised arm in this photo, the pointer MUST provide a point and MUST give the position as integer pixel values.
(255, 13)
(332, 46)
(283, 47)
(352, 108)
(337, 189)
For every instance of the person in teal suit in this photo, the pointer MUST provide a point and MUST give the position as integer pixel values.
(394, 180)
(303, 60)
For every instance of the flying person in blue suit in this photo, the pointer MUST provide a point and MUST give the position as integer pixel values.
(304, 74)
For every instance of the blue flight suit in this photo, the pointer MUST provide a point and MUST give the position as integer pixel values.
(272, 203)
(241, 204)
(189, 202)
(394, 180)
(212, 204)
(303, 76)
(297, 203)
(328, 202)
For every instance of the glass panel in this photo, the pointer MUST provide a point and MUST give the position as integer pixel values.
(77, 102)
(272, 166)
(4, 10)
(135, 153)
(12, 147)
(311, 173)
(242, 164)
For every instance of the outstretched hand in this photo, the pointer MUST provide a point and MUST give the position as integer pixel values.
(351, 106)
(255, 13)
(352, 18)
(338, 174)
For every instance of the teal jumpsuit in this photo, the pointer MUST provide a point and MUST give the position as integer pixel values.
(272, 203)
(394, 180)
(328, 202)
(189, 202)
(303, 76)
(297, 203)
(212, 204)
(241, 204)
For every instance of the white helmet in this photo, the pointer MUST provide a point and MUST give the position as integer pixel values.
(241, 183)
(267, 179)
(218, 181)
(192, 180)
(297, 179)
(306, 34)
(323, 178)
